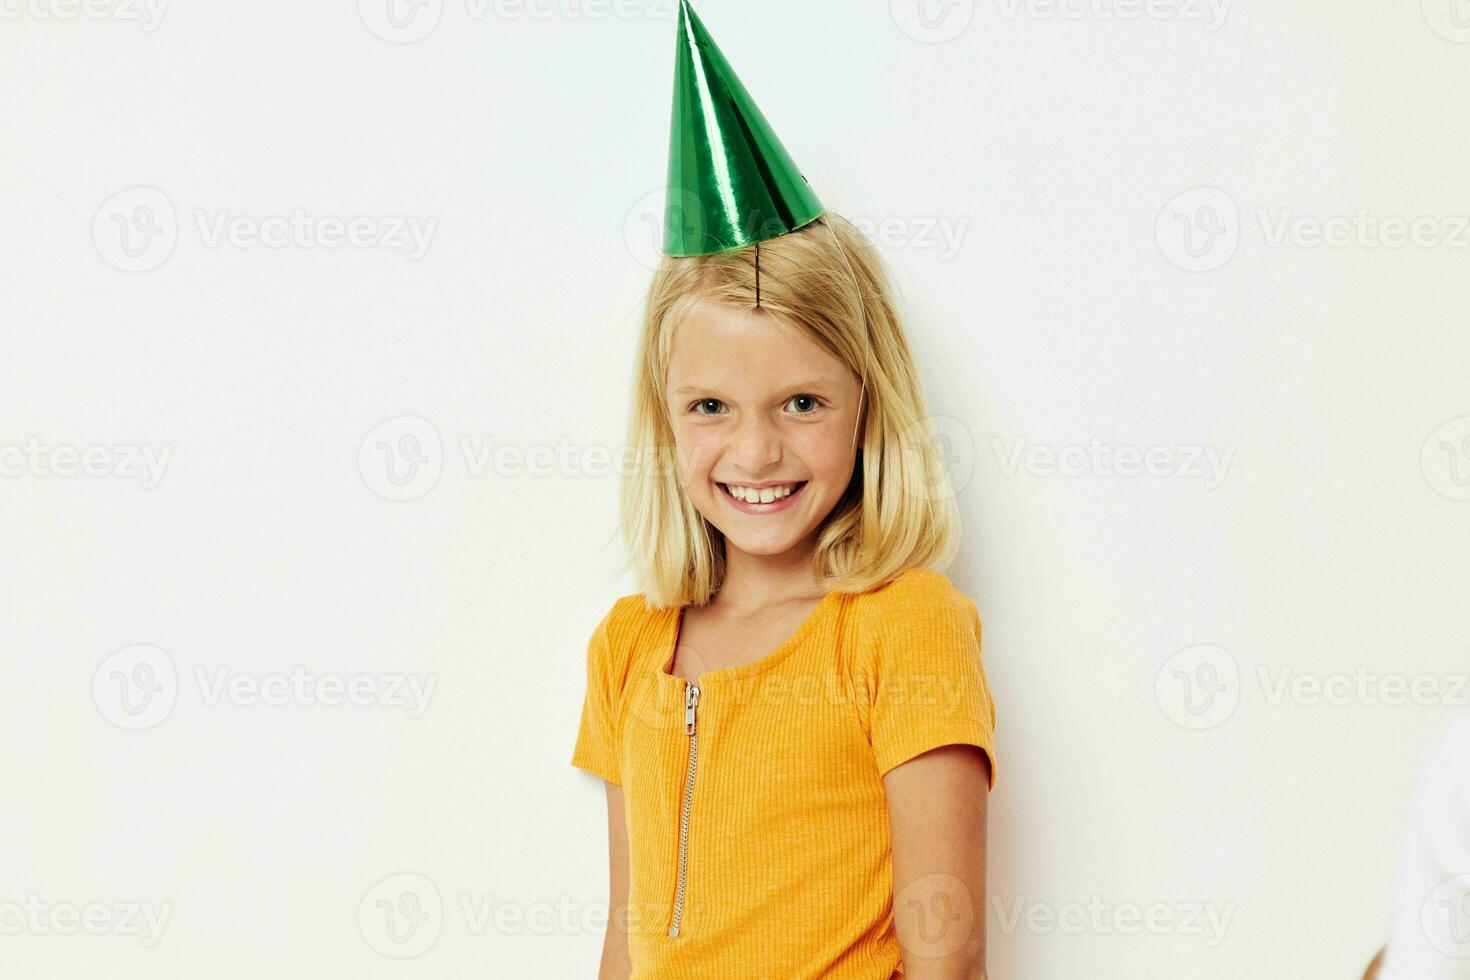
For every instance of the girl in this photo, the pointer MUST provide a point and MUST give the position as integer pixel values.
(792, 718)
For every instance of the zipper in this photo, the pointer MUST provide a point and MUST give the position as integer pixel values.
(691, 705)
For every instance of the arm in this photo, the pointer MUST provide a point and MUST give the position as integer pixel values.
(937, 812)
(615, 962)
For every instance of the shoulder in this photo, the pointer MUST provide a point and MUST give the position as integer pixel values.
(620, 631)
(915, 592)
(625, 615)
(917, 615)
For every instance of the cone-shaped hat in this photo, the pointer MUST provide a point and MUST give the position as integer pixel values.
(731, 182)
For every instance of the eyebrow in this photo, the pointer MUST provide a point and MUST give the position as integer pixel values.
(692, 389)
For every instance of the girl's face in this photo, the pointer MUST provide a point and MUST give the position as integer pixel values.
(764, 420)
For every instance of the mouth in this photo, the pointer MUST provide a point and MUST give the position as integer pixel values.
(754, 503)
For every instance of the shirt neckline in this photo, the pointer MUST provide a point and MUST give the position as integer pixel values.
(674, 627)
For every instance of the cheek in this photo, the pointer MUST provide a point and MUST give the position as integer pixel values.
(697, 449)
(826, 452)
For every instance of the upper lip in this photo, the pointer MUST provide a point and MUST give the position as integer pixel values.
(762, 486)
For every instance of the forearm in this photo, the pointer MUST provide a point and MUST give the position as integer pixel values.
(616, 963)
(954, 967)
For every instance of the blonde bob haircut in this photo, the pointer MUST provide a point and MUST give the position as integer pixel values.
(898, 511)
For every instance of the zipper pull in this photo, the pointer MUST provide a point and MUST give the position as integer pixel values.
(691, 702)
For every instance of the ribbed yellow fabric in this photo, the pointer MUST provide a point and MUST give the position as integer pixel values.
(787, 870)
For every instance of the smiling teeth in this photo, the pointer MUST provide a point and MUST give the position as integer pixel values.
(766, 496)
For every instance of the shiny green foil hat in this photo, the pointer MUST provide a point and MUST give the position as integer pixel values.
(731, 182)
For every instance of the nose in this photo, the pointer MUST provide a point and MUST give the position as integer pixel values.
(756, 445)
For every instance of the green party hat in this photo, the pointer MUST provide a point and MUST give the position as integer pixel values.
(731, 182)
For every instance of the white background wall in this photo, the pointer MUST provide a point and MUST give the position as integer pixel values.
(1065, 307)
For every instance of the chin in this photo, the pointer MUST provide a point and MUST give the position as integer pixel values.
(760, 547)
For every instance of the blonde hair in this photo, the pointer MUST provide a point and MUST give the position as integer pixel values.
(897, 513)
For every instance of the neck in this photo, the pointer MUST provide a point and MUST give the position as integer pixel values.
(752, 581)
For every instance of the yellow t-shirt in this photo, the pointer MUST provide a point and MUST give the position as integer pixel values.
(758, 832)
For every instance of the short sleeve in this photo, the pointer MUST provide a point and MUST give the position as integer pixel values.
(598, 738)
(919, 675)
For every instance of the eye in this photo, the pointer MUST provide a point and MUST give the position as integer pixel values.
(815, 403)
(705, 401)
